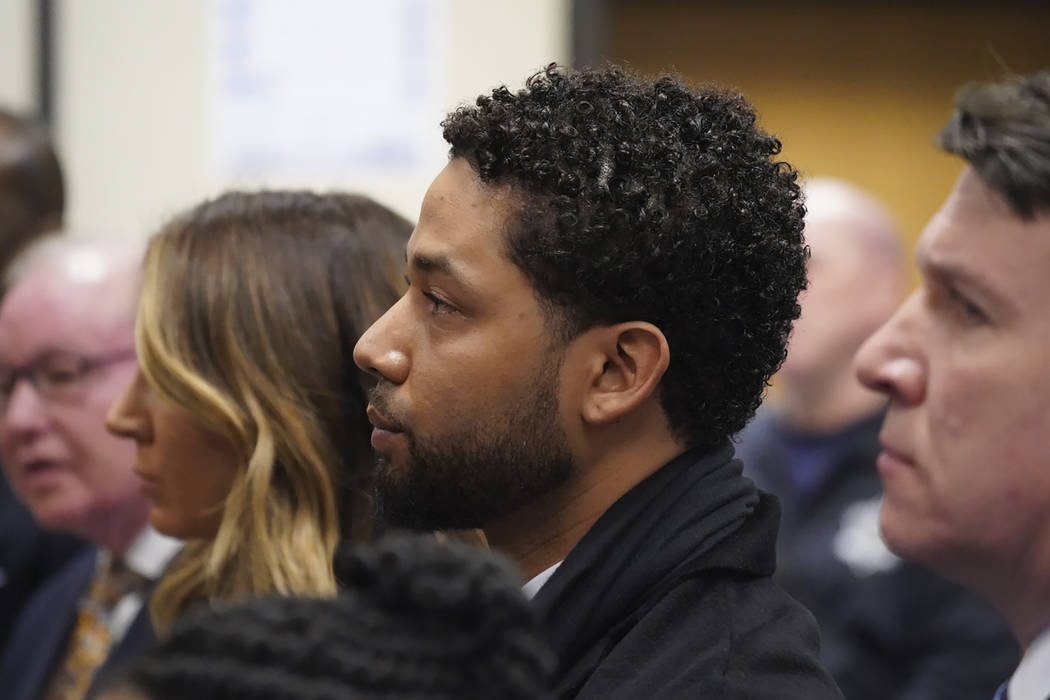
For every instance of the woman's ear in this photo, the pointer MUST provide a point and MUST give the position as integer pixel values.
(633, 357)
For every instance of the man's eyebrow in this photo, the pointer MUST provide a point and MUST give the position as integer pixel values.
(945, 270)
(950, 273)
(428, 263)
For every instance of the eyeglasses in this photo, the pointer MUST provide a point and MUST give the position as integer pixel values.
(57, 376)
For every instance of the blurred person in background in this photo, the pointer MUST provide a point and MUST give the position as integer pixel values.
(965, 463)
(417, 619)
(66, 352)
(32, 199)
(32, 190)
(890, 629)
(247, 412)
(602, 280)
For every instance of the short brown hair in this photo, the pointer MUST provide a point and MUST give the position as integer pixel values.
(1003, 130)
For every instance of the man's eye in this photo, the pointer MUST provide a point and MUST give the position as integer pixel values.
(439, 306)
(971, 310)
(61, 375)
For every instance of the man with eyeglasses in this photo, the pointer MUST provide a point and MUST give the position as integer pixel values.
(66, 352)
(32, 201)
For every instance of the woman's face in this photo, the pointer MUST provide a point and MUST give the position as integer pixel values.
(185, 469)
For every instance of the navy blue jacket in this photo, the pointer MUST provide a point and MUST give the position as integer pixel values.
(42, 634)
(28, 556)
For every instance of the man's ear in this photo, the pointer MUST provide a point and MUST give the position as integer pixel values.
(631, 361)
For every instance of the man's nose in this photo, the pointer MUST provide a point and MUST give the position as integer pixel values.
(891, 361)
(382, 350)
(25, 410)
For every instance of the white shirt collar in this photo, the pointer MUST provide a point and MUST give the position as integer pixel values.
(534, 584)
(1031, 680)
(150, 553)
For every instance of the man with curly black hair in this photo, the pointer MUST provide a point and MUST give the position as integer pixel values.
(965, 464)
(603, 278)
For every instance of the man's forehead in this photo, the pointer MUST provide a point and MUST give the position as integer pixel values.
(978, 239)
(41, 313)
(975, 212)
(973, 197)
(461, 216)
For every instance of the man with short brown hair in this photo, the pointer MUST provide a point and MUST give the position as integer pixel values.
(965, 462)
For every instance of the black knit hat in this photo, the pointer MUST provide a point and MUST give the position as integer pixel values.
(417, 619)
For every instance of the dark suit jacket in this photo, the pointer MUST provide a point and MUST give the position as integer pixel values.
(28, 556)
(41, 635)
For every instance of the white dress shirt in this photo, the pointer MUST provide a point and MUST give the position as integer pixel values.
(1031, 680)
(148, 556)
(534, 584)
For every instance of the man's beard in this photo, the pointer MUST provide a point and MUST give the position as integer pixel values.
(478, 472)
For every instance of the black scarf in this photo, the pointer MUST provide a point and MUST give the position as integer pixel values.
(673, 525)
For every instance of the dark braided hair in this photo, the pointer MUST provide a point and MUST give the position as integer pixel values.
(418, 619)
(1003, 130)
(649, 201)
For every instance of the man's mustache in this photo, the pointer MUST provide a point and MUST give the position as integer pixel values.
(379, 397)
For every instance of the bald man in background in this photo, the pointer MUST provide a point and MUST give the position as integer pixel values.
(891, 630)
(66, 352)
(32, 201)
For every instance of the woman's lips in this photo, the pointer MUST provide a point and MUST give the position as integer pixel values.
(148, 484)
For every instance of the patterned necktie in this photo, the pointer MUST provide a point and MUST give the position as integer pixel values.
(90, 640)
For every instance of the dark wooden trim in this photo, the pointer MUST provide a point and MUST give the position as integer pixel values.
(588, 32)
(45, 60)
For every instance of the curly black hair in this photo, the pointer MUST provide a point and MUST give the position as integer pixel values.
(646, 200)
(1003, 130)
(418, 619)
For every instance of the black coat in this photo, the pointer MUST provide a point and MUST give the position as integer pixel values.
(669, 595)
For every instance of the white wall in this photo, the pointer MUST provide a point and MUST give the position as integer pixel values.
(132, 105)
(17, 55)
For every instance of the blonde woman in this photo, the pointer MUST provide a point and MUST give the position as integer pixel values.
(248, 412)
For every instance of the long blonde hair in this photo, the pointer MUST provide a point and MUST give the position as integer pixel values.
(250, 309)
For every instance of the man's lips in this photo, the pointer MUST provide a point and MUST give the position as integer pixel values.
(34, 467)
(385, 432)
(893, 458)
(381, 422)
(39, 472)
